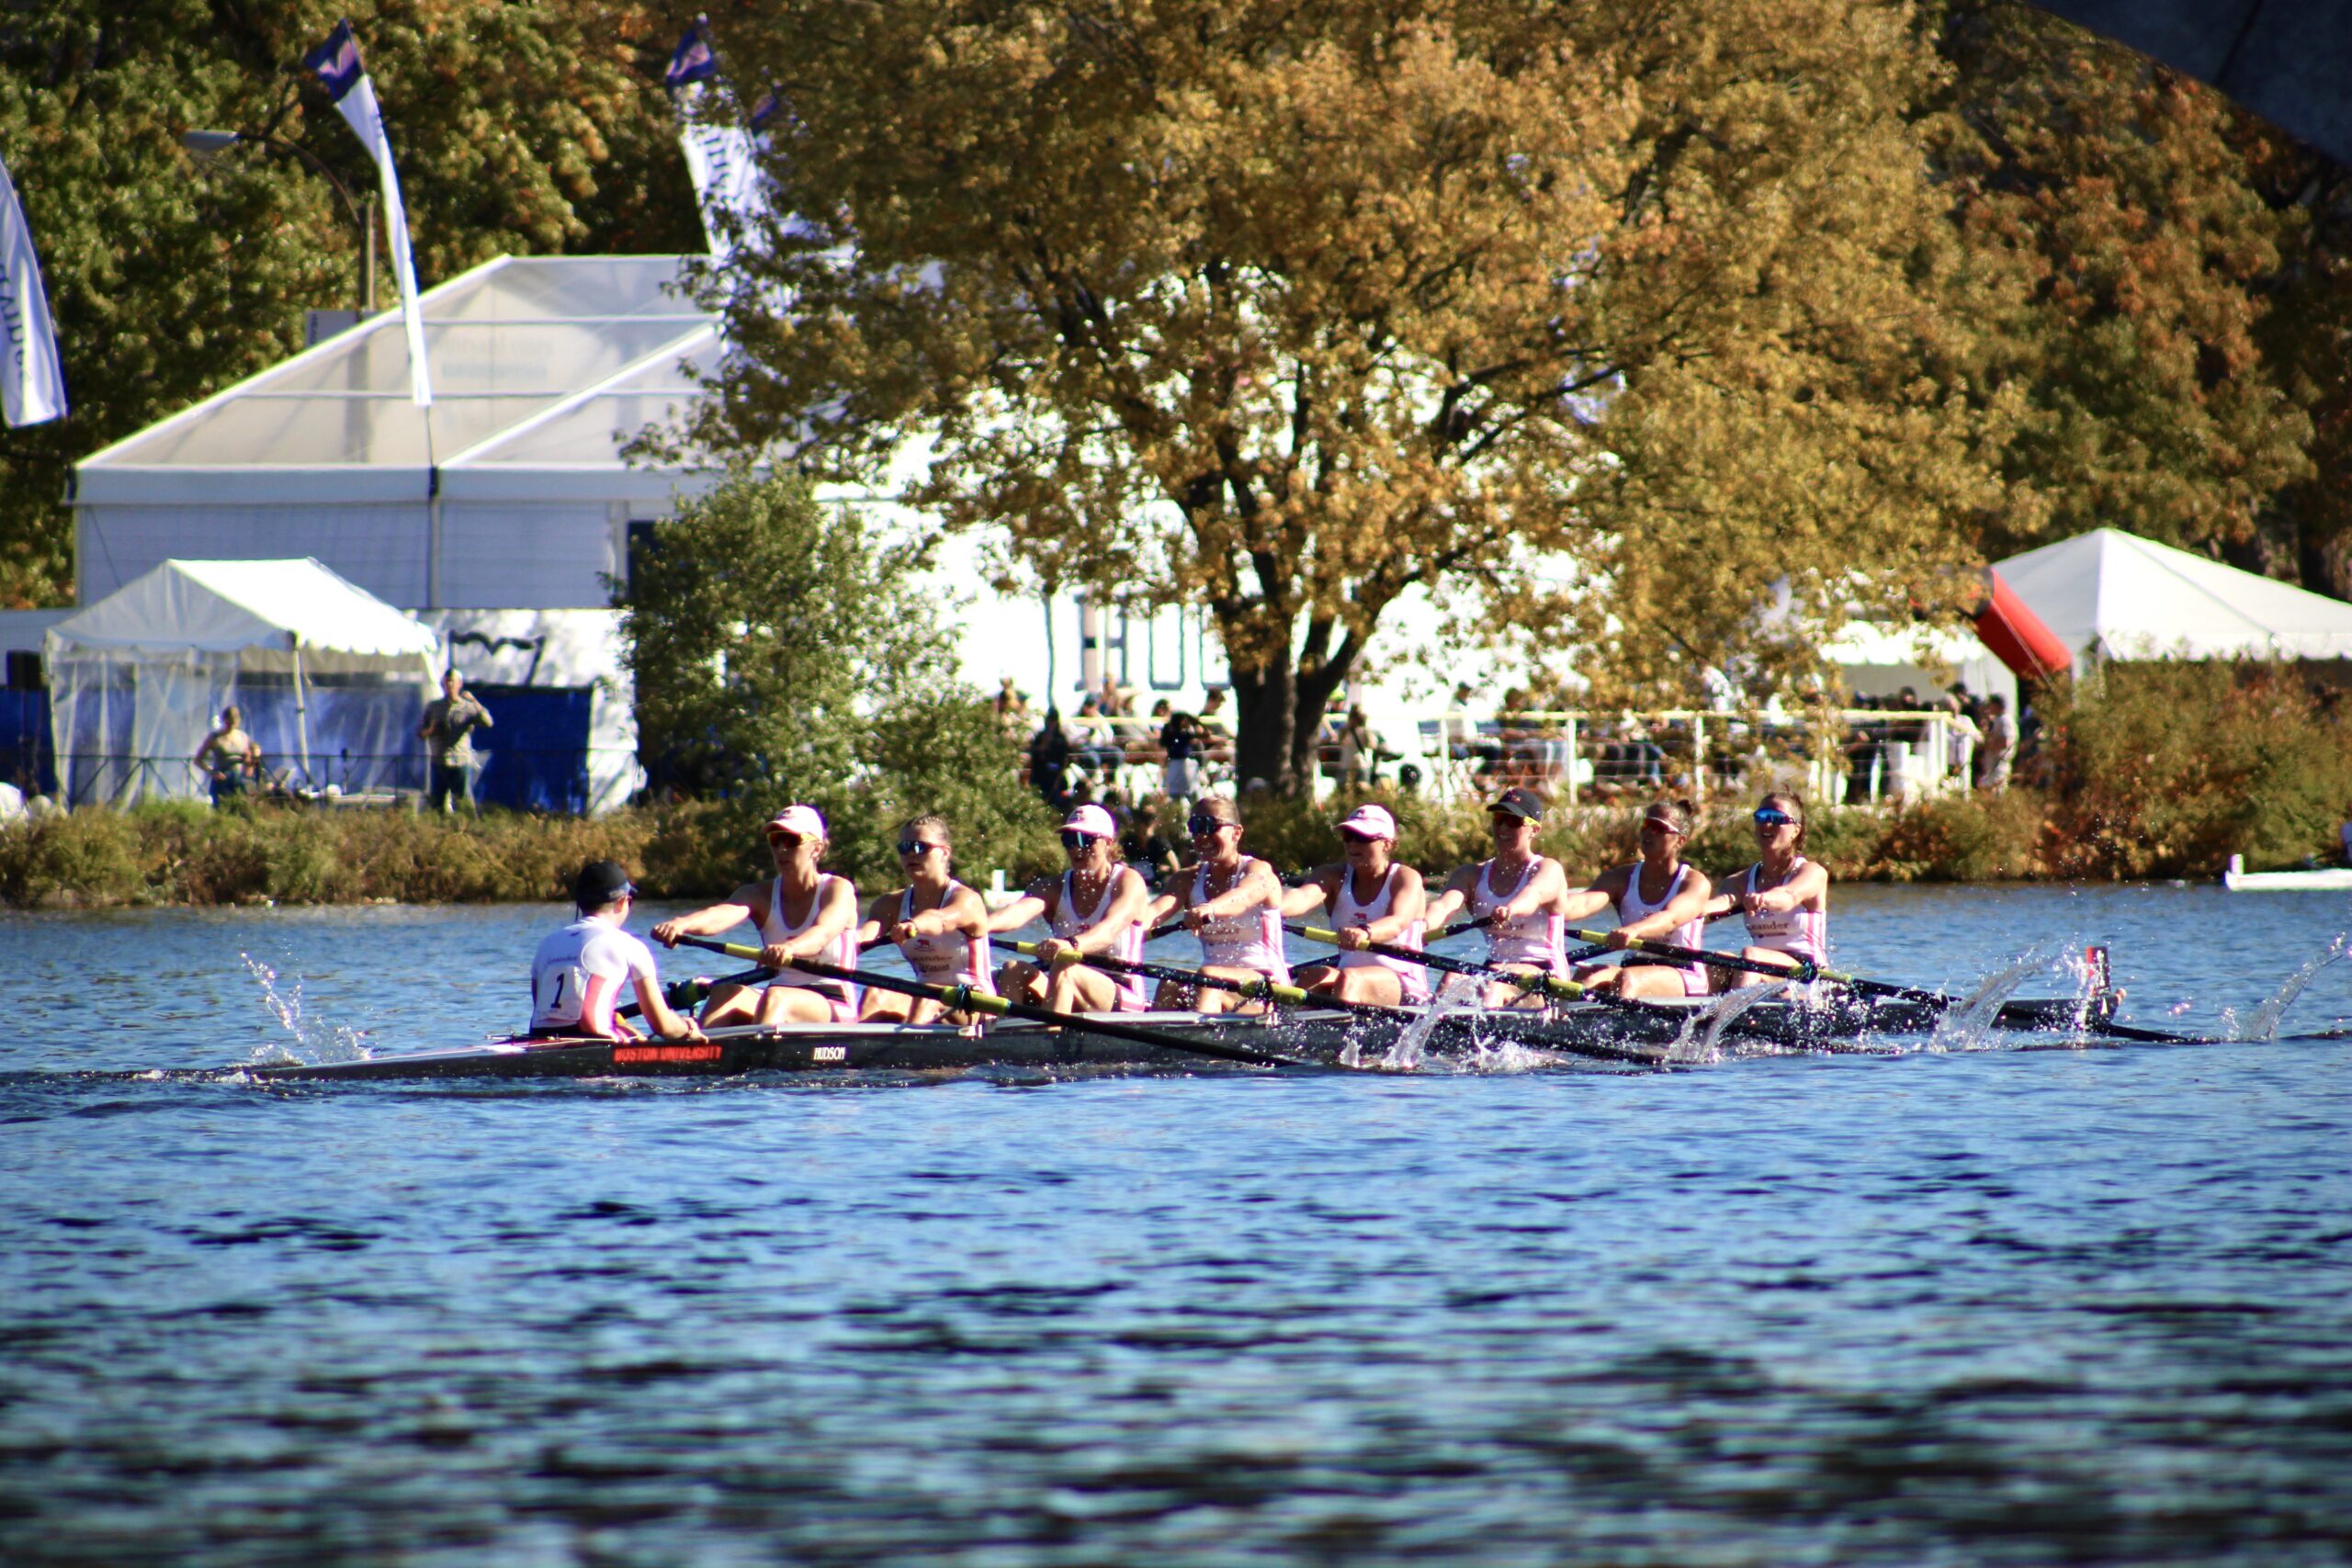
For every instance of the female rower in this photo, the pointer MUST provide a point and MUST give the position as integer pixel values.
(940, 925)
(1784, 895)
(1094, 908)
(1658, 897)
(1233, 902)
(801, 912)
(1517, 894)
(1371, 900)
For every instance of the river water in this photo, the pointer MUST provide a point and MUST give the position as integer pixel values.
(1959, 1306)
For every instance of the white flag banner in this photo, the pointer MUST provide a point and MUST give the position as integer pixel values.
(722, 159)
(33, 387)
(338, 64)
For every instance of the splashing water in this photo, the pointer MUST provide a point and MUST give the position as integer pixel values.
(1720, 1017)
(1455, 994)
(1968, 1027)
(2262, 1023)
(316, 1040)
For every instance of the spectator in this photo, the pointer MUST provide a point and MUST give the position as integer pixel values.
(1182, 739)
(1049, 763)
(1993, 758)
(1012, 708)
(1359, 751)
(1114, 701)
(229, 757)
(1160, 710)
(1151, 845)
(1092, 742)
(1960, 738)
(1214, 719)
(447, 731)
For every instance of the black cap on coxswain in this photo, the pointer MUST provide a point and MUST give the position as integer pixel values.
(599, 883)
(1520, 802)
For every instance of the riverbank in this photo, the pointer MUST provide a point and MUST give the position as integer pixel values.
(184, 854)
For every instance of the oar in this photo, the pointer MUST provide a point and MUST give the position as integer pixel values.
(1259, 988)
(964, 999)
(688, 993)
(1805, 970)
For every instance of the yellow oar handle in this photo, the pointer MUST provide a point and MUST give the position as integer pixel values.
(1320, 933)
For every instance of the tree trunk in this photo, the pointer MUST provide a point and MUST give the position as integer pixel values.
(1265, 699)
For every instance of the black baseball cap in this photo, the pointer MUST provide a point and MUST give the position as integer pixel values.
(599, 883)
(1521, 803)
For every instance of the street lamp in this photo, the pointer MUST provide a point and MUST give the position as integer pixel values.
(212, 143)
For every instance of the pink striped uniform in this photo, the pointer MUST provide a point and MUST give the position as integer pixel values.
(1068, 920)
(950, 958)
(1252, 940)
(1800, 933)
(1537, 939)
(843, 953)
(1690, 933)
(1346, 911)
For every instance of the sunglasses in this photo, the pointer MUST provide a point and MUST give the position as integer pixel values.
(1502, 821)
(917, 847)
(1202, 827)
(1074, 839)
(1654, 825)
(1771, 816)
(1357, 836)
(783, 841)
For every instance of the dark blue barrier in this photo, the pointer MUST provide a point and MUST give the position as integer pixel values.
(25, 757)
(538, 748)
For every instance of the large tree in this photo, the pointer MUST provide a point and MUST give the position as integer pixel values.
(517, 127)
(1292, 308)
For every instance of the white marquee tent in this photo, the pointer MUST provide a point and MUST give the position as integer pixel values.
(331, 681)
(2109, 595)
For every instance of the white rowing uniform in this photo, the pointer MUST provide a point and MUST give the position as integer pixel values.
(1068, 921)
(579, 972)
(775, 931)
(1690, 933)
(1800, 933)
(1535, 939)
(1346, 912)
(950, 958)
(1253, 940)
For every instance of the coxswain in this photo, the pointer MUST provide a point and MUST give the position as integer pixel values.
(1095, 907)
(801, 912)
(578, 972)
(1657, 897)
(1372, 899)
(1784, 897)
(1517, 896)
(1231, 902)
(940, 925)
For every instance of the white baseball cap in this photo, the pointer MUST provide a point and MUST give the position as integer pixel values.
(805, 820)
(1373, 822)
(1091, 820)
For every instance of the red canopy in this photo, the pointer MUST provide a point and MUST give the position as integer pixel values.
(2016, 634)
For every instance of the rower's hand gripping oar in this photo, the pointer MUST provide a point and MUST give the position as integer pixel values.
(1542, 985)
(686, 995)
(964, 999)
(1258, 989)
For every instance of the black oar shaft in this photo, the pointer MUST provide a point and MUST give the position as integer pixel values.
(1258, 988)
(1567, 990)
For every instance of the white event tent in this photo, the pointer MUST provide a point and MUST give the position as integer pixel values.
(331, 681)
(2109, 595)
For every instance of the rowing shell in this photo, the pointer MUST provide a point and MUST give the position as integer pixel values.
(1635, 1036)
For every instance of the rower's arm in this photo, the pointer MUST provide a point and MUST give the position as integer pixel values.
(1130, 902)
(1409, 901)
(710, 920)
(1544, 890)
(967, 914)
(1681, 910)
(1167, 904)
(1030, 905)
(1806, 885)
(1260, 889)
(665, 1019)
(836, 913)
(1587, 902)
(1310, 894)
(1452, 900)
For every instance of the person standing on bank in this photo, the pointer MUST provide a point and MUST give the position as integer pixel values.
(447, 730)
(801, 912)
(578, 972)
(231, 760)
